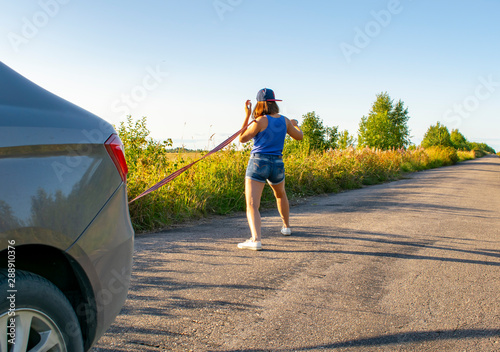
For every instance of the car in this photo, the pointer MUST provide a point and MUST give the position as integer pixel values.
(66, 239)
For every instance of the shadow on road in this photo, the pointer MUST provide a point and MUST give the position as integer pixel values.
(396, 339)
(395, 255)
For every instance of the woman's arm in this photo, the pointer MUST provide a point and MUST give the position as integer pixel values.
(252, 130)
(293, 129)
(249, 131)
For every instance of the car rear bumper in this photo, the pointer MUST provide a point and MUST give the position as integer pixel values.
(104, 252)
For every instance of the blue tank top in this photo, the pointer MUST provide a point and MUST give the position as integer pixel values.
(271, 140)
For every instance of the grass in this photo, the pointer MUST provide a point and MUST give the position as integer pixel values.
(216, 184)
(184, 155)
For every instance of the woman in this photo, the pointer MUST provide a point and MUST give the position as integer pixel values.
(266, 161)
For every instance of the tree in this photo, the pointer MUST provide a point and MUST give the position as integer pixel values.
(437, 135)
(314, 132)
(386, 126)
(458, 141)
(481, 147)
(345, 140)
(332, 137)
(8, 220)
(317, 136)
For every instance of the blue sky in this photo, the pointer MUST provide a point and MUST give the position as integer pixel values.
(189, 65)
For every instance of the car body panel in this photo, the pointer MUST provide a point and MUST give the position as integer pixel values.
(59, 188)
(43, 188)
(31, 115)
(104, 252)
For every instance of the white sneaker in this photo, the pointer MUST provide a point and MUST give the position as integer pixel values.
(250, 244)
(286, 231)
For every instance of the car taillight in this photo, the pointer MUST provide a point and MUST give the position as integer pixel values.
(115, 149)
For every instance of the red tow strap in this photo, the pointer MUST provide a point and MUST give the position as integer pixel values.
(180, 171)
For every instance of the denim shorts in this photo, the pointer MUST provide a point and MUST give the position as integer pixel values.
(264, 167)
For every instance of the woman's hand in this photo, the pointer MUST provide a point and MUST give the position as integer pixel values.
(244, 131)
(294, 130)
(248, 108)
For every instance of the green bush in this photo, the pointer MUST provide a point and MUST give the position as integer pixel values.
(437, 135)
(482, 148)
(441, 156)
(465, 155)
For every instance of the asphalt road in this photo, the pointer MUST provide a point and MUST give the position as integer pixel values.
(411, 265)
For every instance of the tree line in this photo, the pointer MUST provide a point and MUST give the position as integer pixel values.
(385, 127)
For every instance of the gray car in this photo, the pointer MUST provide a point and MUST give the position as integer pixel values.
(66, 241)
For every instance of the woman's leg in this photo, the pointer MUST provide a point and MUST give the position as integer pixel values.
(253, 193)
(282, 202)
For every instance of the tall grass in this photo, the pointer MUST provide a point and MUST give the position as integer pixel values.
(216, 184)
(213, 186)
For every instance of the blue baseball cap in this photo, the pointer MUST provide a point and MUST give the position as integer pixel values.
(266, 94)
